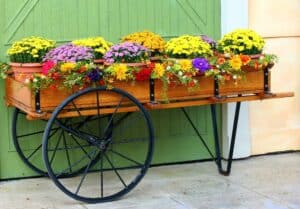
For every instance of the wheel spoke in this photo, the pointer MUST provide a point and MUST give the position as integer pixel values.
(71, 147)
(55, 149)
(112, 116)
(76, 163)
(39, 147)
(101, 168)
(80, 115)
(117, 122)
(98, 114)
(34, 133)
(66, 151)
(84, 175)
(125, 157)
(80, 146)
(115, 170)
(80, 134)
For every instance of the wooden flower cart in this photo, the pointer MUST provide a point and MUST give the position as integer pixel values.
(89, 148)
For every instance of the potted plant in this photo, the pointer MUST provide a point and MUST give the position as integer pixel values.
(188, 58)
(99, 45)
(26, 56)
(124, 59)
(187, 47)
(154, 42)
(68, 64)
(241, 41)
(238, 52)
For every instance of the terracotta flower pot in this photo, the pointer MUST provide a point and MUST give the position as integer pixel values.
(23, 71)
(99, 61)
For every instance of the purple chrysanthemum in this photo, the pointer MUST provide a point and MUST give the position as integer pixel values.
(209, 40)
(126, 52)
(69, 53)
(201, 64)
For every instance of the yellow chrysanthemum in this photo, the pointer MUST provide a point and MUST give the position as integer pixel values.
(98, 44)
(120, 71)
(67, 67)
(159, 70)
(236, 62)
(187, 46)
(30, 49)
(186, 65)
(241, 41)
(147, 39)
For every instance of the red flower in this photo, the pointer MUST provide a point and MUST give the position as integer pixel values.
(47, 66)
(101, 82)
(143, 74)
(55, 75)
(151, 65)
(245, 59)
(191, 84)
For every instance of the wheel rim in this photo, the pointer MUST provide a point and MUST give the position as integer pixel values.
(116, 148)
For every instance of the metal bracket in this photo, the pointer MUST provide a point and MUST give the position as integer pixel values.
(152, 91)
(216, 87)
(266, 81)
(37, 99)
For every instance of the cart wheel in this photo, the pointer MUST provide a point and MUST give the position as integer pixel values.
(114, 142)
(27, 139)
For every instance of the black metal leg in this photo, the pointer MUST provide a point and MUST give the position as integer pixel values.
(197, 132)
(232, 142)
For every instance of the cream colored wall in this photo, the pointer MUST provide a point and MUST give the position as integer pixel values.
(275, 124)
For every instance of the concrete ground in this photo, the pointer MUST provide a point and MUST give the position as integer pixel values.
(266, 182)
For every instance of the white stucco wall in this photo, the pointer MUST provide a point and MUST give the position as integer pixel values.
(234, 14)
(275, 124)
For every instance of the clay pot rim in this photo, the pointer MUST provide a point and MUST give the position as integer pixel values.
(30, 64)
(133, 64)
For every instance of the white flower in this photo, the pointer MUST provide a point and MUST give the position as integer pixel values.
(35, 80)
(27, 81)
(234, 77)
(180, 73)
(168, 67)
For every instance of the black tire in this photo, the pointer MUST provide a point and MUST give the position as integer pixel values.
(116, 158)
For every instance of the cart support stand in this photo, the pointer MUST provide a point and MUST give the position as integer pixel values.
(232, 141)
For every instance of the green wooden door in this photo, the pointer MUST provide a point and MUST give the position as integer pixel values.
(71, 19)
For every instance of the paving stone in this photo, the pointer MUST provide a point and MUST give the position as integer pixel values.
(267, 182)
